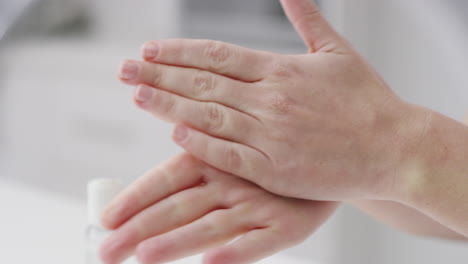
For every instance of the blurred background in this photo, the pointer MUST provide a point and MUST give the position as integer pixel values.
(64, 117)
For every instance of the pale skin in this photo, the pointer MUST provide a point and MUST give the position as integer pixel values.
(319, 126)
(325, 119)
(406, 218)
(184, 207)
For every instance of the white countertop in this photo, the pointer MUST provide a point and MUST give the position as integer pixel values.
(40, 227)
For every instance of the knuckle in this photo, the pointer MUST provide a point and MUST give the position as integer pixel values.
(279, 103)
(166, 178)
(279, 135)
(214, 221)
(214, 118)
(185, 162)
(284, 69)
(163, 102)
(233, 159)
(156, 76)
(136, 227)
(119, 212)
(218, 54)
(179, 209)
(310, 14)
(238, 195)
(203, 83)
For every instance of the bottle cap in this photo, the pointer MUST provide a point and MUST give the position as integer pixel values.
(100, 194)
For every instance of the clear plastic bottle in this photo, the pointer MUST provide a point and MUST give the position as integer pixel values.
(100, 193)
(94, 237)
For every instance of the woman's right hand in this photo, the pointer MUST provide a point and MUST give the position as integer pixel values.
(185, 207)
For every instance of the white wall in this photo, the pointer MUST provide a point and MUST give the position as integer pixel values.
(67, 119)
(127, 20)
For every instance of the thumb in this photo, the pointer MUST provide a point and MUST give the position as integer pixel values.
(316, 32)
(466, 119)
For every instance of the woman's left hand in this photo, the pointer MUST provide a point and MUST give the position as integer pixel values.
(318, 126)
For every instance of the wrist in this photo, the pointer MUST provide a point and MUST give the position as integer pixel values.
(434, 180)
(433, 160)
(413, 153)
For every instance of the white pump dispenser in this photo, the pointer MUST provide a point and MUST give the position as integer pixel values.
(100, 194)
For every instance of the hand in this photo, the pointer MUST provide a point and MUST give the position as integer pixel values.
(320, 126)
(185, 207)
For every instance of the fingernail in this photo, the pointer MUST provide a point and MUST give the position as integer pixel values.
(129, 70)
(143, 93)
(150, 50)
(180, 133)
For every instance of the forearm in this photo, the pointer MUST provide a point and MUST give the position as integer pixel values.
(405, 219)
(435, 176)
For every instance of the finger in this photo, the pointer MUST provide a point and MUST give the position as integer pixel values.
(214, 229)
(169, 214)
(277, 235)
(466, 119)
(316, 32)
(211, 118)
(171, 177)
(191, 83)
(224, 155)
(251, 247)
(214, 56)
